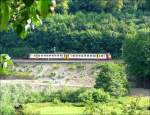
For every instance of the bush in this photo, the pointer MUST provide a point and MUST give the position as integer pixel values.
(112, 78)
(66, 95)
(94, 95)
(6, 65)
(6, 109)
(20, 94)
(74, 95)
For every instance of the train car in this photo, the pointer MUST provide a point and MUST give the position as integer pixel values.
(71, 56)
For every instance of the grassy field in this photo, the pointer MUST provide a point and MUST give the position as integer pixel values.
(49, 108)
(115, 105)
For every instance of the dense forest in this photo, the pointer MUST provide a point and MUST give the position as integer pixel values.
(94, 26)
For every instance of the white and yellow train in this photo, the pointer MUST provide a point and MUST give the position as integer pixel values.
(71, 56)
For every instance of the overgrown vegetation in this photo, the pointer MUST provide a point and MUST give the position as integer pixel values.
(137, 57)
(17, 96)
(119, 27)
(91, 26)
(6, 65)
(112, 78)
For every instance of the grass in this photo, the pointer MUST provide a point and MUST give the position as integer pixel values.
(23, 75)
(115, 105)
(18, 75)
(49, 108)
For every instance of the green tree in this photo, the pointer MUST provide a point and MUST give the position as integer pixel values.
(112, 78)
(115, 5)
(137, 56)
(62, 6)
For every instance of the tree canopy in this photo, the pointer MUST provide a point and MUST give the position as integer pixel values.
(137, 55)
(21, 14)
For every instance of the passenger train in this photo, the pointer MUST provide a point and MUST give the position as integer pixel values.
(71, 56)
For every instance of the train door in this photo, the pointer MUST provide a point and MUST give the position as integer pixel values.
(66, 56)
(97, 56)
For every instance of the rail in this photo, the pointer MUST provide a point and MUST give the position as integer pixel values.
(57, 61)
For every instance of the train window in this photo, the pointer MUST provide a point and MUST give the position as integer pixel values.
(84, 55)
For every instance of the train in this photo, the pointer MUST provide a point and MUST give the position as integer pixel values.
(71, 56)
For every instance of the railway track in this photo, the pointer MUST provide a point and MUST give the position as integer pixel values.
(57, 61)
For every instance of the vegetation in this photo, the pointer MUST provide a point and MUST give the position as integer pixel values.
(22, 15)
(20, 96)
(137, 57)
(46, 108)
(117, 107)
(6, 64)
(119, 27)
(91, 26)
(94, 95)
(112, 78)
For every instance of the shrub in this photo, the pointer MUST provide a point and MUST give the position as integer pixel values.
(6, 65)
(94, 95)
(112, 78)
(19, 94)
(6, 109)
(74, 95)
(66, 95)
(59, 95)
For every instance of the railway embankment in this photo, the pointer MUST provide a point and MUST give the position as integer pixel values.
(66, 74)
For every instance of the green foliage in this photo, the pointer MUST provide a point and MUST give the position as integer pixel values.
(6, 64)
(91, 109)
(17, 13)
(22, 75)
(66, 95)
(112, 79)
(6, 109)
(94, 95)
(62, 6)
(81, 32)
(137, 57)
(19, 95)
(4, 15)
(22, 15)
